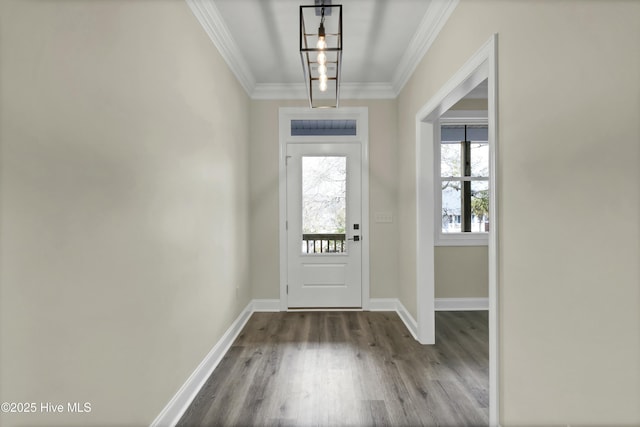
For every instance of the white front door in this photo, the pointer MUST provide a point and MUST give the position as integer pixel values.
(324, 227)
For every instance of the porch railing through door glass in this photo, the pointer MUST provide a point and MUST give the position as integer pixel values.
(323, 243)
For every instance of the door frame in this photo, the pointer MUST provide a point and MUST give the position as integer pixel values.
(482, 65)
(361, 115)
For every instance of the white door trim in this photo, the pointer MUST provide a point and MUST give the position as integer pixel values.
(482, 65)
(361, 115)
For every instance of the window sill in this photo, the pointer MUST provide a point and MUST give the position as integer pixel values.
(460, 239)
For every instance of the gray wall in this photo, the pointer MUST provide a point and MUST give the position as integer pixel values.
(461, 272)
(124, 198)
(569, 304)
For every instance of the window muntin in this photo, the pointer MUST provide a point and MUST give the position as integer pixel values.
(464, 180)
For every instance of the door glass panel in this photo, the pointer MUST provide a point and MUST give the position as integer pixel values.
(324, 204)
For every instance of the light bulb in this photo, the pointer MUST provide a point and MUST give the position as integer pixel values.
(322, 44)
(322, 58)
(322, 69)
(323, 82)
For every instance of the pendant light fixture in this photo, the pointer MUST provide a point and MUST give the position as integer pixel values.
(321, 52)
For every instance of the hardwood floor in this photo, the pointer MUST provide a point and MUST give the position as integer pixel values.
(348, 369)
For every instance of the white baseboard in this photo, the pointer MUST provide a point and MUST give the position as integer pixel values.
(461, 304)
(408, 320)
(177, 406)
(394, 304)
(266, 305)
(383, 304)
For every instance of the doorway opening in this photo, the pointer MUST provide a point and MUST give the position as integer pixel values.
(481, 67)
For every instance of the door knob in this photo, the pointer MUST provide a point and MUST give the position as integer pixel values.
(355, 238)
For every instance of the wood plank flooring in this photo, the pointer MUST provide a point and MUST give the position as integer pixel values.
(349, 369)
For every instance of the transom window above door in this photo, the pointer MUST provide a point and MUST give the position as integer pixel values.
(315, 127)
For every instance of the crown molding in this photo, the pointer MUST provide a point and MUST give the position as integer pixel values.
(209, 17)
(212, 22)
(434, 19)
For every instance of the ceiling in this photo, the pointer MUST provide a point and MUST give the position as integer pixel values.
(383, 41)
(266, 32)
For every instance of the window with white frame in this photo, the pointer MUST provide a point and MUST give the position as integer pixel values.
(462, 183)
